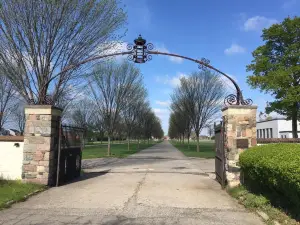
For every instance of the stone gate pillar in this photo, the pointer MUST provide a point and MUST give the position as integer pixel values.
(239, 134)
(41, 144)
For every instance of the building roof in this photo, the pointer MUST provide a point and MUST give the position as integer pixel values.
(266, 120)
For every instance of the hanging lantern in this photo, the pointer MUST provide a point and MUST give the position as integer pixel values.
(139, 50)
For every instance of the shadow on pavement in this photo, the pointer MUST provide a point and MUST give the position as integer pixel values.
(88, 175)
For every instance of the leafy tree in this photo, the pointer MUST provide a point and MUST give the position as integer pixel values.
(276, 68)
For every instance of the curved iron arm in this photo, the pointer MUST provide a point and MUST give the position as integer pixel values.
(73, 66)
(239, 95)
(141, 52)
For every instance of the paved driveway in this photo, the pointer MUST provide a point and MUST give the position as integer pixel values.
(156, 186)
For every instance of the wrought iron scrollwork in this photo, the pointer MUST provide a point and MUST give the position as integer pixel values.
(130, 57)
(203, 64)
(150, 46)
(129, 47)
(233, 100)
(247, 101)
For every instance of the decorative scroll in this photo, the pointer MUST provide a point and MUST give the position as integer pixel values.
(233, 100)
(203, 64)
(130, 47)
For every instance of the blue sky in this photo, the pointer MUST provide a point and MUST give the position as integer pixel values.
(223, 31)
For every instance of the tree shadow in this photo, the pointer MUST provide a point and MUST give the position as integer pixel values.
(276, 199)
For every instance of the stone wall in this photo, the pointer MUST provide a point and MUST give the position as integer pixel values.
(41, 144)
(240, 134)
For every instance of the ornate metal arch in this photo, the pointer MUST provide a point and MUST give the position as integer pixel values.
(141, 52)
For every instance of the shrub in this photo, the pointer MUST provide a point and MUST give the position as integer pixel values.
(274, 169)
(277, 140)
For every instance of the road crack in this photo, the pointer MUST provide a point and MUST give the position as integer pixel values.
(132, 201)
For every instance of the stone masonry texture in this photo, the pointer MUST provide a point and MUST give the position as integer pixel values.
(239, 123)
(40, 144)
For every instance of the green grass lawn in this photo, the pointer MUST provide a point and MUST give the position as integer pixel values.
(206, 148)
(117, 150)
(15, 191)
(257, 202)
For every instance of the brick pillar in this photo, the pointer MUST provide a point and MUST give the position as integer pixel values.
(41, 144)
(240, 134)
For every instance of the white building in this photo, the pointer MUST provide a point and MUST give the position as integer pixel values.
(275, 128)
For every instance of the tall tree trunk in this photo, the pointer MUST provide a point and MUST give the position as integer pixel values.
(128, 143)
(188, 143)
(108, 146)
(148, 140)
(197, 142)
(294, 122)
(138, 142)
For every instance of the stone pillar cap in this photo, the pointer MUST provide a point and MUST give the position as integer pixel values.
(239, 107)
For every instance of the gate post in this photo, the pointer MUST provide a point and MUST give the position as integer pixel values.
(239, 134)
(40, 144)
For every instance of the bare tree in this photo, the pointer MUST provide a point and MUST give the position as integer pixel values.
(82, 115)
(39, 38)
(19, 117)
(134, 107)
(210, 129)
(201, 97)
(111, 86)
(7, 100)
(139, 128)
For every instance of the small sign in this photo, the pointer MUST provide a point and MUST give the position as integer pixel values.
(242, 143)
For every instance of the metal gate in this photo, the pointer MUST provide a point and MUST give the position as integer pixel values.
(220, 154)
(69, 154)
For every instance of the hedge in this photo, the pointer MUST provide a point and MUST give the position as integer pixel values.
(275, 168)
(277, 140)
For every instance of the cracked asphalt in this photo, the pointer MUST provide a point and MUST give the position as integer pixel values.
(158, 185)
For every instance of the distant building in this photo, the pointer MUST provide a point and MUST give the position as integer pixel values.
(275, 128)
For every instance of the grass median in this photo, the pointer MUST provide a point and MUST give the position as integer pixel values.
(15, 191)
(206, 148)
(118, 150)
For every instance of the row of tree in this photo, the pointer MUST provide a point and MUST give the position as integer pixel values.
(115, 104)
(194, 104)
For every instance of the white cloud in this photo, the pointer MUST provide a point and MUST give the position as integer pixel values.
(257, 23)
(163, 103)
(161, 111)
(171, 58)
(172, 81)
(234, 49)
(113, 47)
(163, 114)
